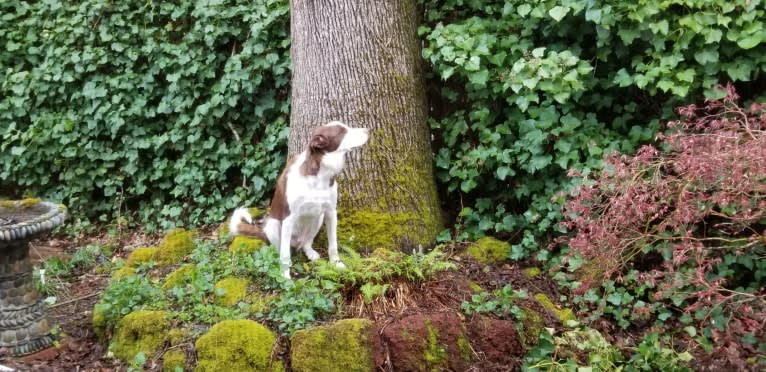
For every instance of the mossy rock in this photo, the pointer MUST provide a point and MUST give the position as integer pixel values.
(178, 277)
(428, 342)
(177, 244)
(142, 255)
(236, 345)
(489, 250)
(140, 331)
(123, 272)
(173, 359)
(564, 315)
(346, 345)
(532, 272)
(234, 291)
(245, 245)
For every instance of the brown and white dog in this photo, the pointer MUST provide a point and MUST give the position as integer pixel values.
(306, 195)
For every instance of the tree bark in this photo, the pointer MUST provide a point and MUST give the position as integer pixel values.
(359, 62)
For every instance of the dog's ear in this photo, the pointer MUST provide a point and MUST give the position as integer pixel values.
(318, 142)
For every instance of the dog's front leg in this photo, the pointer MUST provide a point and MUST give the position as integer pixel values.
(331, 224)
(284, 246)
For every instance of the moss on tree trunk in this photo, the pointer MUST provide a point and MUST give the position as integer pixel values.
(359, 62)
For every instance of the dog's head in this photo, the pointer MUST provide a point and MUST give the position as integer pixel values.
(337, 137)
(330, 143)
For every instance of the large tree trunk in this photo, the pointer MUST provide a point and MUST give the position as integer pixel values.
(359, 62)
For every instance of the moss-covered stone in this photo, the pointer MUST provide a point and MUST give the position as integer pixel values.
(234, 291)
(178, 277)
(489, 250)
(564, 315)
(235, 345)
(245, 245)
(346, 345)
(123, 272)
(428, 342)
(177, 244)
(173, 359)
(140, 331)
(532, 272)
(142, 255)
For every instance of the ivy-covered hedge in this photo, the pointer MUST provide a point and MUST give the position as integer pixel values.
(166, 109)
(524, 91)
(163, 108)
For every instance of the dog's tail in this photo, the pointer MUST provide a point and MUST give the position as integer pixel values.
(241, 223)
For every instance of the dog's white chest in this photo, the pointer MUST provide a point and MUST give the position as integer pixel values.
(313, 202)
(311, 196)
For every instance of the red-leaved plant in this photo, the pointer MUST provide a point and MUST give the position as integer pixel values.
(689, 216)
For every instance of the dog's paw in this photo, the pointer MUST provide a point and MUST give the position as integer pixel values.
(286, 273)
(340, 265)
(311, 254)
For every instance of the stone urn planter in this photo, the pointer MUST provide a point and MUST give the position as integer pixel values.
(24, 327)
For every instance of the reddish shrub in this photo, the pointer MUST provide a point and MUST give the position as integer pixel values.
(688, 215)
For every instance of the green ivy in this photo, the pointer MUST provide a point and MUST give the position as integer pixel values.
(164, 109)
(524, 92)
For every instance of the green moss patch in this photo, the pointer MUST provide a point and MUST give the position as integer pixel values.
(564, 315)
(99, 321)
(489, 250)
(173, 359)
(245, 245)
(531, 272)
(372, 230)
(142, 255)
(235, 345)
(346, 345)
(23, 203)
(532, 325)
(123, 272)
(140, 331)
(178, 277)
(177, 244)
(234, 290)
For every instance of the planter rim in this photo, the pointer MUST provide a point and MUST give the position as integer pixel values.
(44, 216)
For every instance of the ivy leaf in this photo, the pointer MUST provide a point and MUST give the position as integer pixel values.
(705, 56)
(479, 78)
(558, 12)
(750, 41)
(503, 172)
(524, 9)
